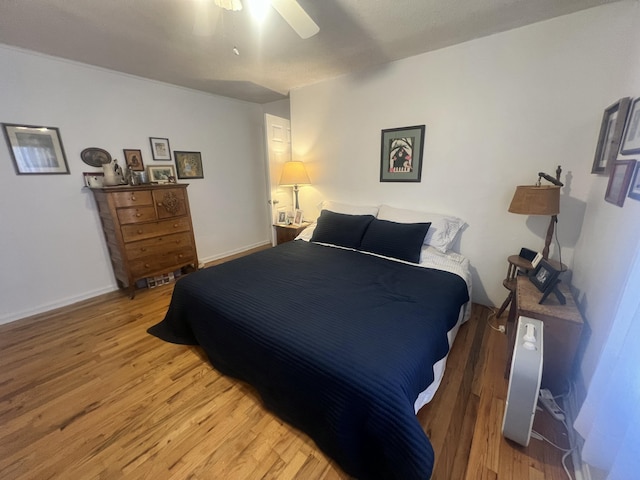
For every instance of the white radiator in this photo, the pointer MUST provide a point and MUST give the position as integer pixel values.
(524, 381)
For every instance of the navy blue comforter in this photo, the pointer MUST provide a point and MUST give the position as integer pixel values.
(338, 343)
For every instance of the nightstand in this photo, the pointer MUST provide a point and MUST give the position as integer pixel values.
(286, 233)
(562, 330)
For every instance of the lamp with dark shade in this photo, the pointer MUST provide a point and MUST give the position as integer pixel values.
(540, 200)
(294, 174)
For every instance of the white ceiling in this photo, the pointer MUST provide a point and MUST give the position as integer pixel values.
(154, 38)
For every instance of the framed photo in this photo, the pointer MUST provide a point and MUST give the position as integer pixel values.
(401, 154)
(281, 217)
(161, 173)
(634, 191)
(544, 276)
(133, 159)
(631, 143)
(297, 218)
(189, 164)
(619, 181)
(611, 130)
(36, 150)
(160, 148)
(93, 179)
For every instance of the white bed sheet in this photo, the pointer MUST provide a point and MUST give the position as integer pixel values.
(430, 257)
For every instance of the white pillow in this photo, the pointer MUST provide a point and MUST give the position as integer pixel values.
(348, 209)
(440, 235)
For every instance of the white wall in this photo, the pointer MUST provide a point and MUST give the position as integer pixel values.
(53, 251)
(497, 111)
(610, 236)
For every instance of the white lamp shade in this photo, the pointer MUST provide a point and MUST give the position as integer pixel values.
(294, 173)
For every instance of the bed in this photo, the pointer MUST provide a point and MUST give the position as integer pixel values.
(343, 343)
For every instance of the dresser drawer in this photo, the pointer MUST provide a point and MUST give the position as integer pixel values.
(135, 232)
(131, 199)
(162, 263)
(170, 202)
(158, 245)
(135, 215)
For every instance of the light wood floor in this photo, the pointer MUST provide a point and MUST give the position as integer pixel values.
(86, 393)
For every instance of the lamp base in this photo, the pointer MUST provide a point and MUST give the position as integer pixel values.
(295, 190)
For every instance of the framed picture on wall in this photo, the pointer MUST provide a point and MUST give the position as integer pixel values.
(611, 130)
(189, 164)
(401, 154)
(160, 148)
(631, 143)
(634, 191)
(36, 150)
(619, 181)
(133, 159)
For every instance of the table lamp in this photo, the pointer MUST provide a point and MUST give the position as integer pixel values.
(294, 174)
(540, 200)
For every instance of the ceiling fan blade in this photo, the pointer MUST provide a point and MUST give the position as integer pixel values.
(296, 17)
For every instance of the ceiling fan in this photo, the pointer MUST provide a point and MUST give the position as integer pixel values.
(289, 10)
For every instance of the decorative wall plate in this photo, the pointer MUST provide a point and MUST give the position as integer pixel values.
(96, 157)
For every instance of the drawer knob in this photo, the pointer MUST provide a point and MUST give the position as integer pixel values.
(143, 249)
(140, 231)
(146, 265)
(133, 198)
(159, 204)
(175, 225)
(138, 215)
(180, 255)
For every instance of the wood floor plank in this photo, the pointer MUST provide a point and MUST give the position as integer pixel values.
(85, 392)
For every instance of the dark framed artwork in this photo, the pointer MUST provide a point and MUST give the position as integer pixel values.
(36, 150)
(619, 181)
(401, 154)
(160, 148)
(634, 191)
(611, 130)
(133, 159)
(188, 164)
(631, 142)
(544, 276)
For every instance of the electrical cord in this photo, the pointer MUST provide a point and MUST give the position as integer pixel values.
(499, 328)
(566, 451)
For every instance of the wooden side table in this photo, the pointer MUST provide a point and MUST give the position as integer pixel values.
(516, 264)
(562, 330)
(286, 233)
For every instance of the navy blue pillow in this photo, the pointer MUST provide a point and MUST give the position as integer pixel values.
(341, 229)
(396, 240)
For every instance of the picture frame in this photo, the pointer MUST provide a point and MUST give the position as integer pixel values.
(297, 218)
(188, 164)
(161, 173)
(634, 191)
(401, 154)
(281, 217)
(93, 179)
(544, 276)
(160, 149)
(611, 129)
(631, 143)
(36, 150)
(619, 181)
(133, 159)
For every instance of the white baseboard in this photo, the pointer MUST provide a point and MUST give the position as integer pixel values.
(230, 253)
(63, 302)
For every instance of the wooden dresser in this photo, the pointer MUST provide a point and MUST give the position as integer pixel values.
(148, 230)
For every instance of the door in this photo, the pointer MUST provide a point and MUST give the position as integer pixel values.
(278, 137)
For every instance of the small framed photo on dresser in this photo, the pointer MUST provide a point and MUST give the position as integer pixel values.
(297, 218)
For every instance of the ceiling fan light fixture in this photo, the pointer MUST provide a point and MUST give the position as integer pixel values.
(233, 5)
